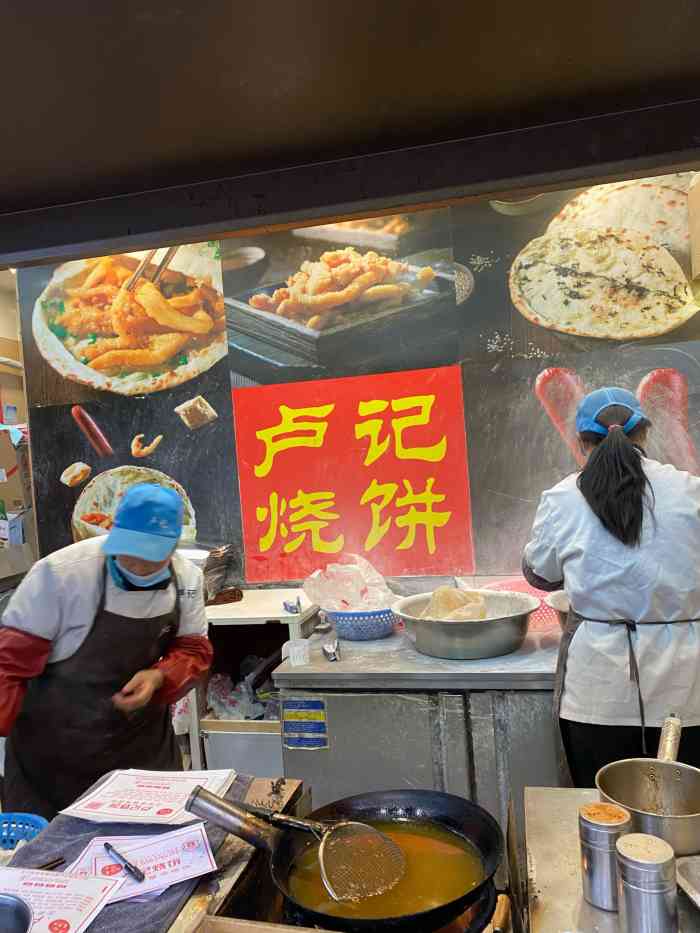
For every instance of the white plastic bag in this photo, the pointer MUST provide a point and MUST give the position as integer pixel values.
(353, 586)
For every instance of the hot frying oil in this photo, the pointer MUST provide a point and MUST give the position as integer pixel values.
(440, 867)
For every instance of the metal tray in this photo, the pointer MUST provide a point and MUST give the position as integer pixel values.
(371, 330)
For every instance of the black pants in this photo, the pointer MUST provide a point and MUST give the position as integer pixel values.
(590, 747)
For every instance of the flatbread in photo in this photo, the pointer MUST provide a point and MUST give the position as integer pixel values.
(656, 208)
(610, 284)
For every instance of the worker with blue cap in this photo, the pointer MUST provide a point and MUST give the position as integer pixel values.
(622, 539)
(97, 641)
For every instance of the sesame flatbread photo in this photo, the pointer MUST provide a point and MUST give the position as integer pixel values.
(94, 509)
(610, 284)
(102, 324)
(656, 208)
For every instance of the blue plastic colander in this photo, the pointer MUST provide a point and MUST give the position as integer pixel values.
(363, 626)
(19, 827)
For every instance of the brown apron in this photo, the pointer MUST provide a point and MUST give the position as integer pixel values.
(572, 623)
(69, 733)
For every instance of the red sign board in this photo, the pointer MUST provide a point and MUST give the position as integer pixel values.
(371, 465)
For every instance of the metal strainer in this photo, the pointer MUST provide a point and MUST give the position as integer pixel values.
(356, 860)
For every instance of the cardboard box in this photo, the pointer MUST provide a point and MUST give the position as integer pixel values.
(15, 474)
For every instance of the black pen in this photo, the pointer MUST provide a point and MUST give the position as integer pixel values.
(135, 872)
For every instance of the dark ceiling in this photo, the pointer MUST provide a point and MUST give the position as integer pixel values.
(104, 98)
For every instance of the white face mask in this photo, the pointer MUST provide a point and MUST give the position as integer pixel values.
(158, 577)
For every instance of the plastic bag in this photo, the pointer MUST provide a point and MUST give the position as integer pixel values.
(353, 586)
(229, 702)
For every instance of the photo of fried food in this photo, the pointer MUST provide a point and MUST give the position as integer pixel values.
(395, 225)
(95, 326)
(139, 449)
(339, 281)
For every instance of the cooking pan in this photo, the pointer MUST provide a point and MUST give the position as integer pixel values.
(661, 794)
(284, 846)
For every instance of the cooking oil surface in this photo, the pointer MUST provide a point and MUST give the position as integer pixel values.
(440, 867)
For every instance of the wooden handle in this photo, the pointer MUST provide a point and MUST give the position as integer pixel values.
(501, 917)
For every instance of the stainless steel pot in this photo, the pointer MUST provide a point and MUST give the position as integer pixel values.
(15, 914)
(661, 794)
(502, 632)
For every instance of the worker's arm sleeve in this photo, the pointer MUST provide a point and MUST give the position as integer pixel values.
(542, 566)
(186, 663)
(191, 653)
(22, 656)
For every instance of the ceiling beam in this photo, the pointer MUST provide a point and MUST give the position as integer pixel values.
(653, 140)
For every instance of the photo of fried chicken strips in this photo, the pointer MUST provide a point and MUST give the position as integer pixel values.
(340, 279)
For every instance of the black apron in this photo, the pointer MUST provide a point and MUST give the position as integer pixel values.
(69, 733)
(572, 623)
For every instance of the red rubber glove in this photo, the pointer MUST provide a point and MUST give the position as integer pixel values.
(22, 657)
(188, 660)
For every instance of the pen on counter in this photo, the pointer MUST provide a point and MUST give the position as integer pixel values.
(135, 872)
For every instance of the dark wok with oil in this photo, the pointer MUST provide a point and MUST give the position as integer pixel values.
(446, 810)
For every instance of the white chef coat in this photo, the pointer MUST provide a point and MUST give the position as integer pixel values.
(605, 579)
(59, 597)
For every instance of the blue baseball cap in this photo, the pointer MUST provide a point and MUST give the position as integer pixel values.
(147, 524)
(596, 402)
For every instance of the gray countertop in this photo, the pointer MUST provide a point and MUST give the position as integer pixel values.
(554, 873)
(394, 664)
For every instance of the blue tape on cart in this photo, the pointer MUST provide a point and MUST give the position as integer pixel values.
(304, 724)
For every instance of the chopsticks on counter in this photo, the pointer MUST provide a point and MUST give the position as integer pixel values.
(50, 865)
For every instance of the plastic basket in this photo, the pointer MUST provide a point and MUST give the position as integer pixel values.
(19, 827)
(363, 626)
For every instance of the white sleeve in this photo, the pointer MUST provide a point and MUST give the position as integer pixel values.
(193, 618)
(541, 550)
(36, 605)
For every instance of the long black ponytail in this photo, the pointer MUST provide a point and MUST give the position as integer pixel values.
(613, 481)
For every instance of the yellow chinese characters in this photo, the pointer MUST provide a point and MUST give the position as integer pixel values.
(373, 427)
(419, 512)
(307, 514)
(298, 427)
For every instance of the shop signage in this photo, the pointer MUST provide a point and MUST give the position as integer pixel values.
(371, 465)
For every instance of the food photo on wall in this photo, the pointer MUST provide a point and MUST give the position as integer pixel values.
(85, 456)
(576, 271)
(129, 324)
(344, 299)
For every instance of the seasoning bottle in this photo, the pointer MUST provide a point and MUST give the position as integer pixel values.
(600, 825)
(646, 871)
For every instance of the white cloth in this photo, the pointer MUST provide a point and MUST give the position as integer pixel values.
(605, 579)
(58, 598)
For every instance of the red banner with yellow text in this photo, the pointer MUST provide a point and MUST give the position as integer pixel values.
(371, 465)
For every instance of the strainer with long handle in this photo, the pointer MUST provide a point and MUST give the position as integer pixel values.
(356, 860)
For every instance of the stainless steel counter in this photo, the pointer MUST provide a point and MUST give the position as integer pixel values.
(394, 664)
(553, 870)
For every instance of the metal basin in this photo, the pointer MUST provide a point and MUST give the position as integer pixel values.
(15, 914)
(502, 632)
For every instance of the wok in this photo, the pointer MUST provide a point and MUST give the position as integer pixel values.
(283, 846)
(661, 794)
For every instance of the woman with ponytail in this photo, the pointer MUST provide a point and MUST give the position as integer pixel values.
(622, 538)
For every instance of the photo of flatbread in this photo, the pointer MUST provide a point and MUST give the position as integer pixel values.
(656, 208)
(94, 510)
(611, 284)
(93, 329)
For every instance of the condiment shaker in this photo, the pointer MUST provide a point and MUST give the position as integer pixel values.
(600, 825)
(647, 896)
